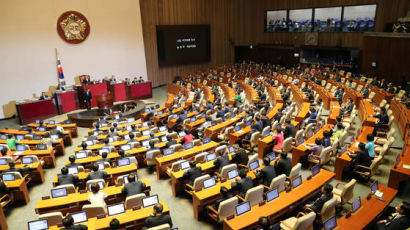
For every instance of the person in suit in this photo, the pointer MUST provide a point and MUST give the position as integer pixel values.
(133, 187)
(360, 157)
(104, 158)
(313, 115)
(283, 165)
(319, 202)
(114, 224)
(347, 109)
(68, 223)
(96, 174)
(87, 99)
(264, 224)
(365, 92)
(12, 168)
(66, 178)
(157, 218)
(290, 130)
(383, 120)
(72, 163)
(400, 219)
(267, 173)
(170, 142)
(243, 184)
(222, 161)
(258, 124)
(240, 157)
(225, 195)
(43, 96)
(192, 173)
(265, 120)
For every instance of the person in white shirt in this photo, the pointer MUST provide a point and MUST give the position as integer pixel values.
(97, 197)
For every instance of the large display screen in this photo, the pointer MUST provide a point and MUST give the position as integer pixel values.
(183, 44)
(300, 20)
(276, 20)
(328, 19)
(359, 18)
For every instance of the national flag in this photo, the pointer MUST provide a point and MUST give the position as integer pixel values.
(60, 70)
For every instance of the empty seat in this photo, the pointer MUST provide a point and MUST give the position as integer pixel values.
(134, 201)
(93, 210)
(53, 218)
(69, 188)
(300, 222)
(345, 195)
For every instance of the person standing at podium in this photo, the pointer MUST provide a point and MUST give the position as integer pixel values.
(87, 98)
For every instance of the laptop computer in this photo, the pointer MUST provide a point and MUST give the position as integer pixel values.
(8, 177)
(79, 217)
(254, 165)
(3, 137)
(375, 186)
(60, 192)
(189, 145)
(123, 162)
(116, 209)
(315, 170)
(101, 166)
(125, 147)
(150, 201)
(330, 224)
(27, 160)
(160, 113)
(100, 184)
(147, 110)
(38, 225)
(248, 123)
(157, 106)
(36, 137)
(211, 157)
(213, 123)
(232, 174)
(42, 129)
(271, 156)
(296, 182)
(206, 140)
(356, 205)
(184, 165)
(243, 208)
(164, 139)
(81, 155)
(126, 137)
(272, 194)
(181, 134)
(37, 121)
(131, 120)
(126, 181)
(145, 124)
(41, 147)
(168, 151)
(110, 140)
(19, 137)
(145, 144)
(163, 129)
(4, 161)
(89, 143)
(72, 170)
(237, 128)
(21, 148)
(145, 133)
(51, 122)
(193, 119)
(209, 183)
(175, 116)
(129, 128)
(267, 133)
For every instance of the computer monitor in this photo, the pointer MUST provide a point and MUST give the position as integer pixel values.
(150, 201)
(211, 157)
(3, 161)
(184, 165)
(209, 183)
(21, 148)
(37, 121)
(129, 128)
(19, 137)
(79, 217)
(100, 184)
(163, 129)
(301, 140)
(189, 145)
(272, 194)
(51, 122)
(157, 106)
(145, 124)
(398, 159)
(110, 139)
(123, 162)
(254, 165)
(145, 133)
(38, 225)
(125, 147)
(101, 166)
(193, 119)
(267, 133)
(164, 139)
(271, 156)
(89, 143)
(41, 147)
(36, 137)
(296, 182)
(375, 186)
(231, 149)
(243, 208)
(131, 120)
(344, 147)
(237, 128)
(126, 137)
(42, 129)
(8, 177)
(175, 116)
(331, 223)
(3, 137)
(72, 170)
(116, 209)
(206, 140)
(145, 144)
(146, 110)
(232, 174)
(315, 170)
(213, 123)
(248, 123)
(60, 192)
(81, 155)
(56, 137)
(27, 160)
(181, 134)
(356, 204)
(168, 151)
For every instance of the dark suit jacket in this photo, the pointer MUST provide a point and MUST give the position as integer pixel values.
(192, 174)
(73, 165)
(220, 162)
(153, 221)
(265, 121)
(283, 166)
(290, 131)
(267, 174)
(319, 202)
(87, 96)
(133, 188)
(400, 222)
(243, 185)
(241, 158)
(383, 119)
(97, 175)
(216, 204)
(362, 158)
(67, 179)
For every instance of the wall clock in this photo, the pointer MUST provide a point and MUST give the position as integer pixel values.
(73, 27)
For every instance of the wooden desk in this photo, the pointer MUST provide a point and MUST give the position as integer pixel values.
(73, 202)
(163, 162)
(3, 221)
(369, 212)
(399, 173)
(214, 130)
(282, 205)
(36, 110)
(193, 125)
(300, 150)
(37, 174)
(380, 95)
(235, 136)
(402, 119)
(344, 160)
(48, 156)
(19, 189)
(303, 111)
(334, 112)
(365, 112)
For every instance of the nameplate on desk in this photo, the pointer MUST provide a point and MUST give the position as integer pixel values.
(101, 216)
(83, 191)
(136, 208)
(45, 197)
(262, 203)
(230, 217)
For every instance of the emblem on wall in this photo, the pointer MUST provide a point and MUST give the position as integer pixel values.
(73, 27)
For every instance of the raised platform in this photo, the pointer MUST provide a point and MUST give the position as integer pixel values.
(86, 118)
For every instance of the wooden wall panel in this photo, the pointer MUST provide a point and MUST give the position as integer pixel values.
(241, 22)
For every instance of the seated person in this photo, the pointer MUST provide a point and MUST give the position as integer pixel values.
(240, 157)
(68, 223)
(326, 142)
(313, 115)
(338, 133)
(283, 165)
(319, 202)
(157, 218)
(382, 122)
(243, 184)
(133, 187)
(316, 149)
(278, 141)
(360, 157)
(290, 130)
(348, 107)
(3, 189)
(170, 142)
(264, 224)
(43, 96)
(11, 142)
(104, 158)
(225, 195)
(12, 168)
(97, 174)
(97, 197)
(192, 173)
(46, 140)
(370, 145)
(72, 163)
(400, 219)
(66, 178)
(188, 138)
(267, 173)
(4, 152)
(222, 161)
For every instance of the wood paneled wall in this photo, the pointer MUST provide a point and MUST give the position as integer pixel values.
(241, 22)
